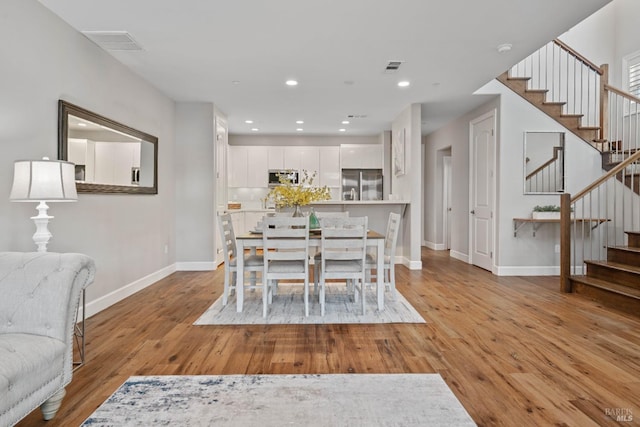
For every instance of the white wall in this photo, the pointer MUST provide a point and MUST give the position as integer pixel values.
(525, 254)
(607, 36)
(195, 186)
(409, 185)
(454, 136)
(43, 60)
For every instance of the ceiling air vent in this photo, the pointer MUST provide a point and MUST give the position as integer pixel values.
(357, 116)
(393, 66)
(113, 40)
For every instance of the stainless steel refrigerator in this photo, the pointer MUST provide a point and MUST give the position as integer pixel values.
(361, 184)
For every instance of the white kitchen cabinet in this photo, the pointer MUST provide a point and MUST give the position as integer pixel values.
(257, 167)
(329, 172)
(275, 157)
(361, 156)
(238, 164)
(302, 158)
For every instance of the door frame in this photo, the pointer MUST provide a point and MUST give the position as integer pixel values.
(494, 230)
(447, 178)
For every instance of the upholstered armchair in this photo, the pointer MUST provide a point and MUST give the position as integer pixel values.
(39, 297)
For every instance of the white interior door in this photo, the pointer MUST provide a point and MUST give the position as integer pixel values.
(481, 192)
(446, 199)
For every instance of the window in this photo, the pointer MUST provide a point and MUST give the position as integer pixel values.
(632, 73)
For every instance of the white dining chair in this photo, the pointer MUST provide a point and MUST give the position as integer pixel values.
(342, 256)
(252, 263)
(390, 241)
(286, 255)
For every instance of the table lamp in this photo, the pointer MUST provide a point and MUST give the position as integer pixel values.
(43, 181)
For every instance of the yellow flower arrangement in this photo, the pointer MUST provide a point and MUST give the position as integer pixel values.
(288, 194)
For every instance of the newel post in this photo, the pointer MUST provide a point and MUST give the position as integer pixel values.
(604, 102)
(565, 242)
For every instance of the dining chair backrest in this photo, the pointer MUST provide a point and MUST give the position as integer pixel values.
(332, 214)
(228, 237)
(343, 239)
(285, 238)
(391, 236)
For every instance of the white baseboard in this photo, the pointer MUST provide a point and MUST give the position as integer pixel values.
(459, 255)
(196, 266)
(111, 298)
(435, 246)
(412, 265)
(540, 270)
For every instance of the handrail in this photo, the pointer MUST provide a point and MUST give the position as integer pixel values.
(622, 93)
(547, 163)
(620, 167)
(577, 55)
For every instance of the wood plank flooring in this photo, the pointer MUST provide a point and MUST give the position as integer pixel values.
(514, 350)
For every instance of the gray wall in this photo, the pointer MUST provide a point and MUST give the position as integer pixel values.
(43, 60)
(195, 184)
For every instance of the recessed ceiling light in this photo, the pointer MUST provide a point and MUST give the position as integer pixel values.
(345, 122)
(248, 121)
(291, 83)
(299, 122)
(403, 83)
(255, 129)
(299, 129)
(342, 130)
(504, 48)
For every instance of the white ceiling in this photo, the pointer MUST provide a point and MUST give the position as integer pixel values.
(195, 49)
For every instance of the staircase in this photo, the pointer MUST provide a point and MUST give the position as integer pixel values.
(614, 283)
(575, 92)
(554, 109)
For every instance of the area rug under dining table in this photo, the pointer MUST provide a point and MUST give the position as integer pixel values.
(288, 308)
(280, 400)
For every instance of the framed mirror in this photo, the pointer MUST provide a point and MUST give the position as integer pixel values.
(543, 162)
(110, 157)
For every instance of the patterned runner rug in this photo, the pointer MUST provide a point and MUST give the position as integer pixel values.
(288, 308)
(280, 400)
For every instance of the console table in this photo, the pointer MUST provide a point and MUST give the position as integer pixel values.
(518, 223)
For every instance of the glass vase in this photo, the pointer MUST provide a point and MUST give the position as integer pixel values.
(314, 223)
(297, 212)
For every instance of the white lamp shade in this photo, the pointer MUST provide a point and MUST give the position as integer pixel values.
(48, 180)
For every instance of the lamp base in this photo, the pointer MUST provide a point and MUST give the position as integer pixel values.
(42, 234)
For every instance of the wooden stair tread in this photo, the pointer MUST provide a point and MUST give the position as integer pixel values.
(608, 286)
(524, 79)
(536, 90)
(589, 127)
(616, 265)
(560, 103)
(626, 248)
(573, 116)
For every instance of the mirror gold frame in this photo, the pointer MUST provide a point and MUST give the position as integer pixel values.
(66, 109)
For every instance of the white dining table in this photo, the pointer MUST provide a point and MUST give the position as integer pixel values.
(253, 241)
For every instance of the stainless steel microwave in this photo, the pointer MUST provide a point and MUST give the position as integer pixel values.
(275, 174)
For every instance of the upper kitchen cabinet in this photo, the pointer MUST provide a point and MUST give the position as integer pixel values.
(330, 166)
(302, 158)
(257, 168)
(362, 156)
(247, 166)
(238, 163)
(275, 157)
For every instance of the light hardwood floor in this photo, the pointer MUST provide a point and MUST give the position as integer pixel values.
(514, 350)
